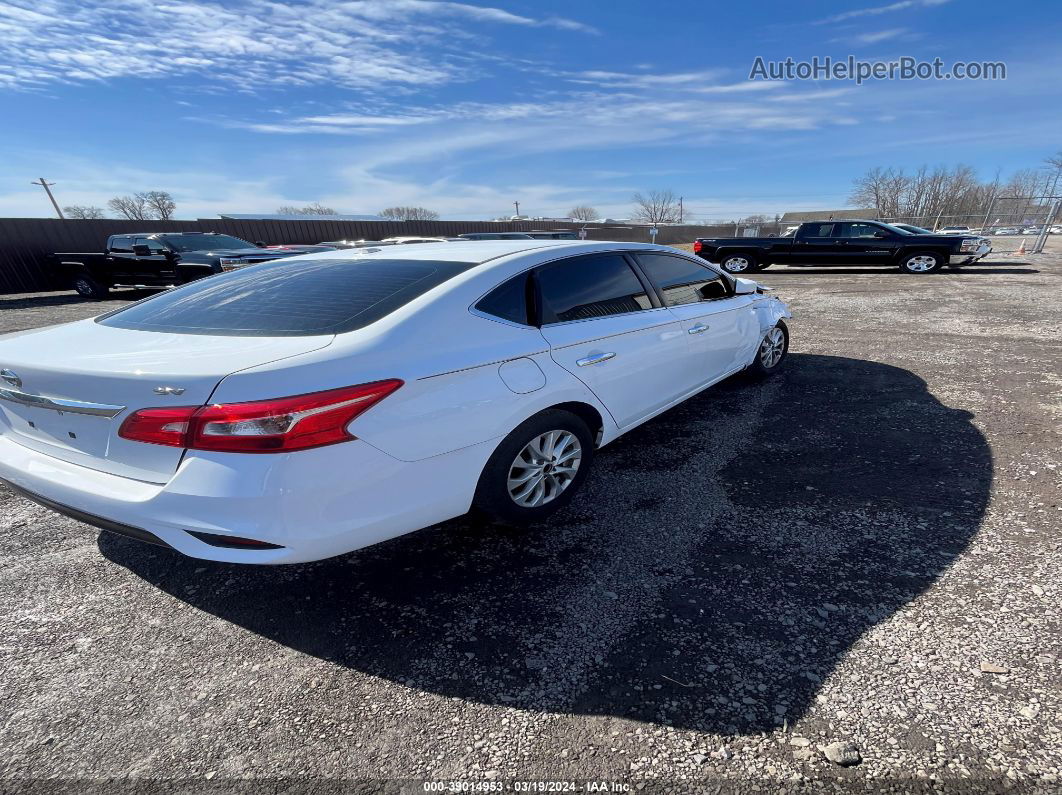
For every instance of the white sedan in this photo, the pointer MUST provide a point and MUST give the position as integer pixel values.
(302, 408)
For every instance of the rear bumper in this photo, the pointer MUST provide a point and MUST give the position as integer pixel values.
(96, 521)
(311, 505)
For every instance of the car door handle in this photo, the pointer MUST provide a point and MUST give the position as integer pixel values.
(700, 328)
(595, 359)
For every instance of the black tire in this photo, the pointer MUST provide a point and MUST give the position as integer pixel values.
(759, 368)
(492, 494)
(740, 262)
(89, 288)
(916, 262)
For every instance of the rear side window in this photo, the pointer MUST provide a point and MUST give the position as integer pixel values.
(508, 301)
(122, 245)
(681, 281)
(288, 298)
(587, 287)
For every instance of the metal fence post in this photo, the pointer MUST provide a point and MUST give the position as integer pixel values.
(1041, 239)
(988, 214)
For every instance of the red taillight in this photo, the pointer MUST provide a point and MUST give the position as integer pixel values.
(159, 426)
(697, 246)
(266, 426)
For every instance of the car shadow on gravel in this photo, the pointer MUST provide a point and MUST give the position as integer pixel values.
(681, 589)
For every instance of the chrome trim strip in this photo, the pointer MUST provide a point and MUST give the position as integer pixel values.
(60, 404)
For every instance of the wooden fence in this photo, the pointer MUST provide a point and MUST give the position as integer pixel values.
(26, 244)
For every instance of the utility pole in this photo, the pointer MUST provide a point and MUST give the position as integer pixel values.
(680, 209)
(517, 205)
(48, 189)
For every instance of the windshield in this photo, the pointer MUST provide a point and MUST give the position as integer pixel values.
(906, 229)
(205, 242)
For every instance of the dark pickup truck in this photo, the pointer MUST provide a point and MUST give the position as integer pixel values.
(160, 260)
(857, 242)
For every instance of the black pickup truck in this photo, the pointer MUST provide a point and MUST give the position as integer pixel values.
(161, 259)
(856, 242)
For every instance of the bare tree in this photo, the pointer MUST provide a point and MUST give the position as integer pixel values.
(881, 189)
(82, 211)
(409, 214)
(1053, 165)
(926, 197)
(315, 208)
(583, 212)
(134, 207)
(656, 207)
(160, 204)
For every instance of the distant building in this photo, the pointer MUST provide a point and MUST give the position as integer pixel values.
(827, 215)
(298, 217)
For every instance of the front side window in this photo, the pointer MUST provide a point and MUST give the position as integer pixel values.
(581, 288)
(818, 230)
(287, 299)
(681, 281)
(155, 246)
(206, 242)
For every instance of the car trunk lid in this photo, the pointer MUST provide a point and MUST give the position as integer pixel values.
(65, 391)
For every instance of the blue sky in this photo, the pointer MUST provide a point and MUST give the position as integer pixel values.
(245, 105)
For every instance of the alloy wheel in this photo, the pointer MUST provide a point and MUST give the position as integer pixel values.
(736, 264)
(921, 263)
(544, 468)
(772, 348)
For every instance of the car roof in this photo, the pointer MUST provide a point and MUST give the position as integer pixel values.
(483, 251)
(480, 251)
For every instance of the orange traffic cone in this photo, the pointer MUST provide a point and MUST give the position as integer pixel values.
(1021, 249)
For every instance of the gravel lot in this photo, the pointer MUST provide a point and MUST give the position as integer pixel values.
(863, 550)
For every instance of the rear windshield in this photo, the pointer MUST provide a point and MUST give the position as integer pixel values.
(288, 298)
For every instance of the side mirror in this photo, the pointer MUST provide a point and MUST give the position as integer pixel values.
(260, 243)
(881, 233)
(140, 250)
(745, 286)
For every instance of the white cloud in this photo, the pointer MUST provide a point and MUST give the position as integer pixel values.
(251, 44)
(588, 119)
(880, 35)
(605, 79)
(902, 5)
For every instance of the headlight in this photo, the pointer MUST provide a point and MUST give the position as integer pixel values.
(230, 261)
(969, 244)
